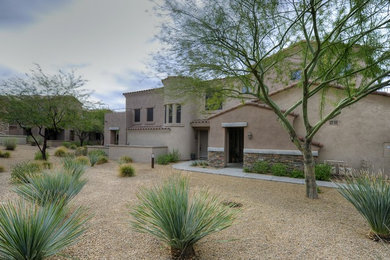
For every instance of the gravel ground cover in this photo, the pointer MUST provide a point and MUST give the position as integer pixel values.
(276, 220)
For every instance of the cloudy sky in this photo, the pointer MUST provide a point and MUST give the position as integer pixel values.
(108, 42)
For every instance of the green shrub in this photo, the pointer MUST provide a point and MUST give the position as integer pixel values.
(73, 146)
(66, 144)
(76, 143)
(5, 155)
(125, 159)
(200, 163)
(98, 152)
(163, 159)
(102, 160)
(51, 188)
(43, 164)
(323, 172)
(370, 194)
(31, 141)
(31, 232)
(22, 171)
(260, 167)
(247, 169)
(81, 151)
(279, 169)
(93, 158)
(169, 213)
(73, 166)
(126, 170)
(38, 156)
(10, 144)
(297, 174)
(174, 156)
(2, 169)
(84, 160)
(61, 151)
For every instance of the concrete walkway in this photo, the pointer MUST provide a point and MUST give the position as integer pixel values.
(238, 172)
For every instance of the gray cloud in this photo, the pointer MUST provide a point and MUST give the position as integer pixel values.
(21, 12)
(135, 80)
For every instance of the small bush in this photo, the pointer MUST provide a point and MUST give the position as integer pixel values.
(179, 219)
(125, 159)
(31, 141)
(43, 164)
(200, 164)
(370, 195)
(297, 174)
(279, 169)
(163, 159)
(10, 144)
(31, 232)
(73, 147)
(98, 152)
(51, 188)
(5, 155)
(81, 151)
(323, 172)
(261, 167)
(247, 169)
(38, 156)
(2, 169)
(76, 143)
(66, 144)
(126, 170)
(93, 158)
(102, 160)
(21, 172)
(61, 151)
(84, 160)
(174, 156)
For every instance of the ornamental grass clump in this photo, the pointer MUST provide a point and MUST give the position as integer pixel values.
(5, 154)
(28, 231)
(370, 195)
(126, 170)
(169, 213)
(61, 152)
(73, 166)
(38, 156)
(51, 188)
(125, 159)
(9, 144)
(95, 155)
(22, 171)
(2, 168)
(82, 160)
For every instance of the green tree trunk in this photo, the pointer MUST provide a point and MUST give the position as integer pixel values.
(310, 178)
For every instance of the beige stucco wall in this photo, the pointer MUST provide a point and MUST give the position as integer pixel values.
(262, 123)
(361, 133)
(116, 119)
(137, 153)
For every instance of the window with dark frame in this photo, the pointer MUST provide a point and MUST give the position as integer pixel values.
(296, 75)
(178, 113)
(165, 114)
(137, 115)
(149, 114)
(170, 112)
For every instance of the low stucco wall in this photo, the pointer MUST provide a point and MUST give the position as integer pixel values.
(137, 152)
(20, 139)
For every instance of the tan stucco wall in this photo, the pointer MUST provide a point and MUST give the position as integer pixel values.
(262, 123)
(137, 153)
(360, 134)
(117, 119)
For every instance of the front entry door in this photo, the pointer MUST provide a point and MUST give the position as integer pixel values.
(204, 141)
(236, 144)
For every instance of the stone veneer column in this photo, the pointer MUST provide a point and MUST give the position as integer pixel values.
(216, 159)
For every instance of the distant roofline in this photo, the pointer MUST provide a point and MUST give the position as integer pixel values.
(142, 91)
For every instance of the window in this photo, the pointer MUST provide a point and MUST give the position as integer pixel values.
(170, 113)
(296, 75)
(178, 113)
(137, 115)
(334, 122)
(165, 114)
(245, 89)
(149, 114)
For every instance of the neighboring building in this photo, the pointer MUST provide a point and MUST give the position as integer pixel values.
(244, 133)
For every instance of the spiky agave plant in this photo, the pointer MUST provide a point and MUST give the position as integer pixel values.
(28, 231)
(370, 194)
(178, 219)
(51, 187)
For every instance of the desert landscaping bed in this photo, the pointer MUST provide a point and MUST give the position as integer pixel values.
(276, 220)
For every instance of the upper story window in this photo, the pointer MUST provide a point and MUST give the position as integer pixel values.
(149, 114)
(245, 89)
(178, 113)
(170, 113)
(213, 101)
(296, 75)
(137, 115)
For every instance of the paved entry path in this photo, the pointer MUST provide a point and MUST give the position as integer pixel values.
(238, 172)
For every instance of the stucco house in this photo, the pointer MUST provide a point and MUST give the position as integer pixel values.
(244, 132)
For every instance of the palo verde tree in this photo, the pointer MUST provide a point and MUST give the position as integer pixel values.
(343, 43)
(87, 121)
(40, 103)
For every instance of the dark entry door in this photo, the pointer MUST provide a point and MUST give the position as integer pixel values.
(236, 144)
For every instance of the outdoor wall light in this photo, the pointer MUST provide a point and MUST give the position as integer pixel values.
(250, 135)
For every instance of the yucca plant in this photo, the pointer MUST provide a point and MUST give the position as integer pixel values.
(93, 158)
(51, 187)
(22, 171)
(370, 195)
(32, 232)
(73, 166)
(168, 212)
